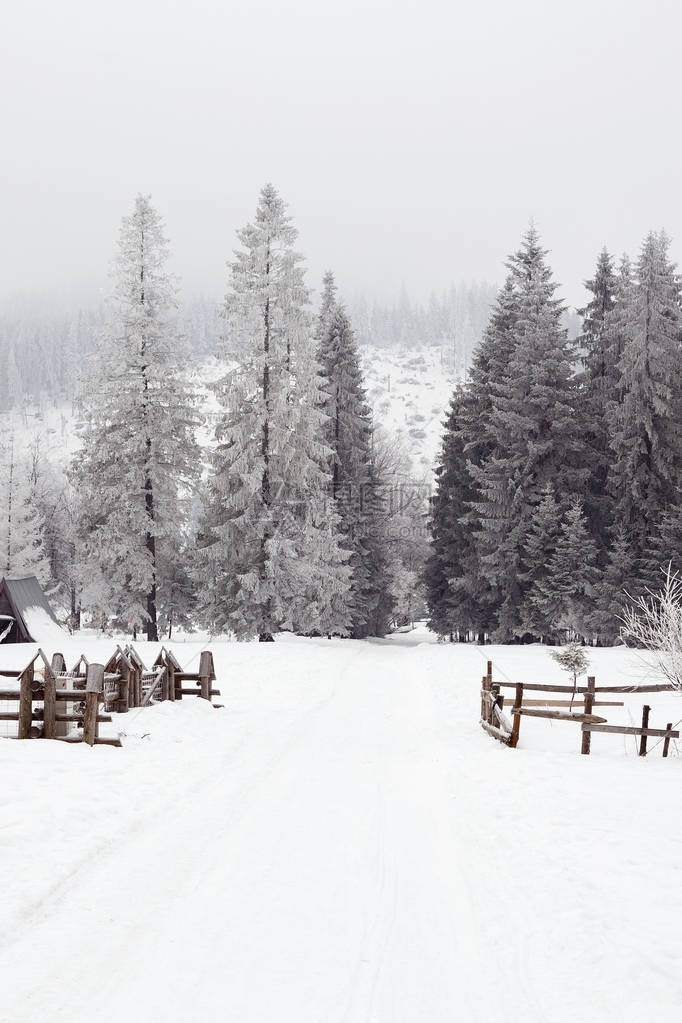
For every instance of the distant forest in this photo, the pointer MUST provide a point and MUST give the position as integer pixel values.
(43, 346)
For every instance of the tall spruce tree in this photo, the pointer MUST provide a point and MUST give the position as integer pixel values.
(138, 453)
(663, 548)
(468, 444)
(616, 587)
(354, 487)
(539, 610)
(273, 560)
(646, 426)
(450, 574)
(22, 525)
(535, 434)
(573, 577)
(598, 391)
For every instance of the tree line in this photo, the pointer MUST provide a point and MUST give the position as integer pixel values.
(558, 491)
(283, 519)
(44, 342)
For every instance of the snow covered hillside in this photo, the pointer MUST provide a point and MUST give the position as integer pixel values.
(342, 843)
(409, 391)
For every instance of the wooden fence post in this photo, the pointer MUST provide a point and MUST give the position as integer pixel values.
(589, 706)
(205, 674)
(170, 668)
(645, 724)
(49, 705)
(124, 686)
(25, 703)
(516, 721)
(57, 665)
(94, 687)
(666, 743)
(494, 702)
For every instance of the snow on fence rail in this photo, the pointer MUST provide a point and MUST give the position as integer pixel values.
(496, 723)
(75, 696)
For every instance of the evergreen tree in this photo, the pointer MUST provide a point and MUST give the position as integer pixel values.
(22, 550)
(647, 424)
(598, 390)
(573, 576)
(536, 436)
(663, 549)
(453, 608)
(617, 581)
(467, 453)
(270, 527)
(328, 305)
(349, 437)
(138, 453)
(538, 610)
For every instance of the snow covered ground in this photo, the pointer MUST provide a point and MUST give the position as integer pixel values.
(343, 843)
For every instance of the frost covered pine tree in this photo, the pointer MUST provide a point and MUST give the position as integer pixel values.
(598, 389)
(539, 609)
(22, 549)
(353, 484)
(573, 577)
(138, 456)
(646, 425)
(270, 531)
(454, 610)
(536, 438)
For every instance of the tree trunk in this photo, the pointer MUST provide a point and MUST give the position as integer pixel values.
(266, 636)
(150, 544)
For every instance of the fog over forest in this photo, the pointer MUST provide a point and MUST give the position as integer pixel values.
(413, 142)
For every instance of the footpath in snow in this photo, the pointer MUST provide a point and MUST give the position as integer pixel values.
(342, 844)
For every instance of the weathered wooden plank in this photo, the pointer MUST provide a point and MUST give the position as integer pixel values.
(540, 687)
(652, 733)
(555, 715)
(572, 703)
(497, 733)
(502, 719)
(586, 738)
(93, 691)
(97, 741)
(645, 725)
(76, 718)
(49, 705)
(516, 717)
(666, 745)
(37, 715)
(25, 702)
(156, 684)
(197, 692)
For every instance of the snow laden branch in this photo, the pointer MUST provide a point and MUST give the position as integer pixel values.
(655, 622)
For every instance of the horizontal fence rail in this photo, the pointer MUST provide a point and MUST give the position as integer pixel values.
(50, 696)
(579, 709)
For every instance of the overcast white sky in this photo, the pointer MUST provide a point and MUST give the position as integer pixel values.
(412, 140)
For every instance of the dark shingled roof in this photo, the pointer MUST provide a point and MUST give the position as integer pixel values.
(18, 595)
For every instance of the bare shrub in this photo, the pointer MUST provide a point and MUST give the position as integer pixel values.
(655, 621)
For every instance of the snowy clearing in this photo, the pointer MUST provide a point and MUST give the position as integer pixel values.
(343, 843)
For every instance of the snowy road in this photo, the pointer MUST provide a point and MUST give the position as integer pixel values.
(326, 850)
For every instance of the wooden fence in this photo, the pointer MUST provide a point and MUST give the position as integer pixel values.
(50, 696)
(578, 709)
